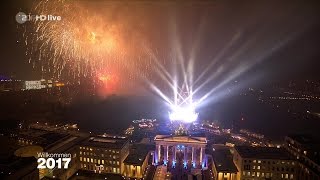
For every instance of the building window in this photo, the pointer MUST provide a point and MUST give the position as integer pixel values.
(102, 161)
(259, 161)
(117, 162)
(80, 158)
(80, 152)
(291, 176)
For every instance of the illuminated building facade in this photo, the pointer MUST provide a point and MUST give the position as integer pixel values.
(136, 162)
(172, 149)
(103, 155)
(264, 163)
(306, 150)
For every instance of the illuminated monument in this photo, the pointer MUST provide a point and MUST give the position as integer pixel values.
(181, 147)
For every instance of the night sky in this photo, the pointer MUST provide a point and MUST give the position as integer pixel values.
(272, 40)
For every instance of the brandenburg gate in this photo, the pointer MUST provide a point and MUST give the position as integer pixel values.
(186, 150)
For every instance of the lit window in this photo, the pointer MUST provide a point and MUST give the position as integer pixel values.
(84, 159)
(80, 152)
(114, 170)
(253, 174)
(113, 151)
(254, 167)
(88, 160)
(91, 160)
(259, 161)
(258, 174)
(95, 161)
(102, 161)
(258, 167)
(90, 149)
(291, 176)
(80, 158)
(117, 162)
(98, 161)
(254, 161)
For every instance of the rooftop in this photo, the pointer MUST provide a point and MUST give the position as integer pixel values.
(105, 142)
(306, 140)
(181, 139)
(223, 161)
(138, 154)
(262, 152)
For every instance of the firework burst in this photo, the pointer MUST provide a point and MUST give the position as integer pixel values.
(83, 43)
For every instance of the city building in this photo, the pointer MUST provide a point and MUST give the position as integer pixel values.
(306, 150)
(137, 161)
(11, 85)
(223, 166)
(180, 148)
(103, 154)
(264, 163)
(16, 166)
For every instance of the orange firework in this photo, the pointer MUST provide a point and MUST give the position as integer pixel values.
(84, 42)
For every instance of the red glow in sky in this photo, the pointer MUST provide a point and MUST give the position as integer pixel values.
(108, 83)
